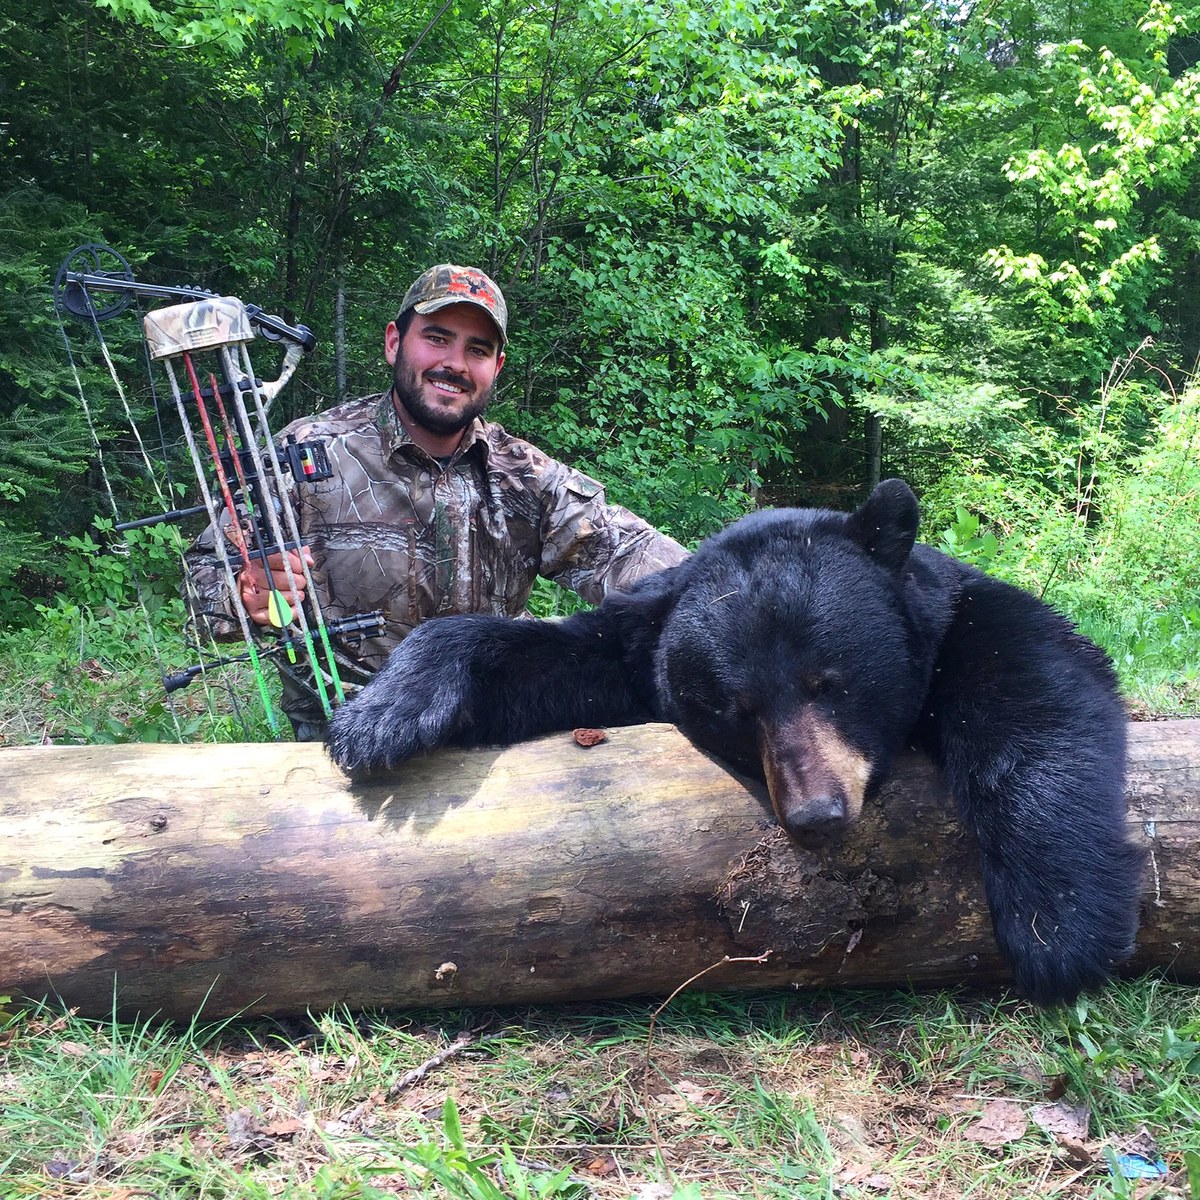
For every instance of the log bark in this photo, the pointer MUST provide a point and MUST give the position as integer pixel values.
(257, 878)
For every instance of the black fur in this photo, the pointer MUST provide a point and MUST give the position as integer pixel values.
(795, 625)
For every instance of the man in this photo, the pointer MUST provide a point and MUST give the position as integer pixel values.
(432, 510)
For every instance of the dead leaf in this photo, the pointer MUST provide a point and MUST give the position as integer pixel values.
(1128, 1081)
(284, 1127)
(1141, 1144)
(1078, 1155)
(246, 1133)
(853, 1173)
(1000, 1122)
(847, 1132)
(604, 1165)
(687, 1101)
(1062, 1120)
(654, 1191)
(323, 1072)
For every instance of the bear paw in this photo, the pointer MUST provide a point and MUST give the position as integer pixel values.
(419, 701)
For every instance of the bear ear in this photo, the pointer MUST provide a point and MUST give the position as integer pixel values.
(886, 525)
(650, 600)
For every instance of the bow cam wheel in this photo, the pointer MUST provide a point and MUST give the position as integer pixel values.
(83, 274)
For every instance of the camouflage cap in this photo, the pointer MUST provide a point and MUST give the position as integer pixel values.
(447, 284)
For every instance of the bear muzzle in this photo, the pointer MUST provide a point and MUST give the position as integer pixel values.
(816, 779)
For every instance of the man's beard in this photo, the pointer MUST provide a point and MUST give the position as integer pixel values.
(432, 416)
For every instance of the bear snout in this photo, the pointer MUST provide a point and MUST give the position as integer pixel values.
(816, 779)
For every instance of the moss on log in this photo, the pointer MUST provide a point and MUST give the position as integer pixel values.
(257, 878)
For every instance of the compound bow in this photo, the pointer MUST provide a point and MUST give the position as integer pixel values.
(206, 336)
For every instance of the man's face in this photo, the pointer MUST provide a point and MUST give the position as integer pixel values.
(445, 366)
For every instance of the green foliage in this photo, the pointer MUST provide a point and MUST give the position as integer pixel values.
(661, 372)
(1104, 536)
(1135, 590)
(963, 540)
(86, 665)
(115, 624)
(463, 1172)
(1192, 1166)
(44, 442)
(142, 568)
(1146, 126)
(749, 249)
(230, 26)
(780, 1093)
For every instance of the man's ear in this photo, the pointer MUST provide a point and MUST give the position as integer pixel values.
(391, 343)
(499, 361)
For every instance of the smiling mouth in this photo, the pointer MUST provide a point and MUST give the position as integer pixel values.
(446, 387)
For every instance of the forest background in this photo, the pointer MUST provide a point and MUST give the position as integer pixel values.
(754, 252)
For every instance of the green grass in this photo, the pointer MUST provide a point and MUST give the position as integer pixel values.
(829, 1094)
(93, 674)
(1156, 652)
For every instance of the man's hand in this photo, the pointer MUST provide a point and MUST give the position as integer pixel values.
(256, 591)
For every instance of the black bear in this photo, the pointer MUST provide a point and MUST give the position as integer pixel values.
(808, 647)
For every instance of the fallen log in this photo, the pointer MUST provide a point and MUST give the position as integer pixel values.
(257, 878)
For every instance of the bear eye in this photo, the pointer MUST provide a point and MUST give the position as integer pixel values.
(819, 686)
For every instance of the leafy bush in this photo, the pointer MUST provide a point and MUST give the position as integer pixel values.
(1116, 551)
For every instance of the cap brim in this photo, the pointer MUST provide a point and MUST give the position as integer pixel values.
(425, 307)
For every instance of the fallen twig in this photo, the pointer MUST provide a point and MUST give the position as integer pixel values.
(466, 1038)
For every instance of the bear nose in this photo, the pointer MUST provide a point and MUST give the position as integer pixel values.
(816, 778)
(818, 819)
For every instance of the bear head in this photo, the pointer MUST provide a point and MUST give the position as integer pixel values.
(798, 645)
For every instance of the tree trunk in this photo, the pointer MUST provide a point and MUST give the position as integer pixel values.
(257, 878)
(880, 340)
(339, 327)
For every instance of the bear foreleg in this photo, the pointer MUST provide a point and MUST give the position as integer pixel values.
(1026, 723)
(478, 680)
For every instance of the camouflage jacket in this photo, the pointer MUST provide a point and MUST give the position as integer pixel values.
(397, 531)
